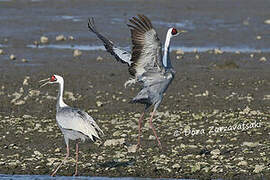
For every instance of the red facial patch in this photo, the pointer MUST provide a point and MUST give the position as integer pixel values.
(53, 78)
(174, 31)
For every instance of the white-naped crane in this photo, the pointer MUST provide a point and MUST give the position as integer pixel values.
(74, 123)
(151, 69)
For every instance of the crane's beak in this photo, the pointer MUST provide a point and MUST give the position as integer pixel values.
(48, 82)
(182, 31)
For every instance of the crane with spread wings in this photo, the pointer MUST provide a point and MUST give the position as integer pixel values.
(152, 70)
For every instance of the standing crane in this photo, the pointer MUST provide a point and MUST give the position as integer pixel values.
(73, 122)
(153, 71)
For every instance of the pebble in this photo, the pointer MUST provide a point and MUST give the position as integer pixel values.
(218, 51)
(99, 58)
(176, 166)
(71, 38)
(258, 168)
(12, 57)
(44, 39)
(180, 52)
(99, 104)
(242, 163)
(1, 51)
(57, 150)
(251, 144)
(258, 37)
(196, 167)
(114, 142)
(36, 43)
(77, 53)
(267, 21)
(263, 59)
(151, 137)
(60, 38)
(37, 153)
(215, 152)
(24, 60)
(132, 148)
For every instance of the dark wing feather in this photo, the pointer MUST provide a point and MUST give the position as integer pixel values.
(146, 50)
(119, 54)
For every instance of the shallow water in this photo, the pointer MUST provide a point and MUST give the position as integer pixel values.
(208, 25)
(45, 177)
(243, 49)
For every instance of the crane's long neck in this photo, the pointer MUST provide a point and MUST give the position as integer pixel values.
(60, 102)
(166, 56)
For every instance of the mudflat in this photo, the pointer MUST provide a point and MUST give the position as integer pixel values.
(213, 121)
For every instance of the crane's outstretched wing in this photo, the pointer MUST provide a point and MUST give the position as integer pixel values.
(146, 50)
(78, 120)
(119, 54)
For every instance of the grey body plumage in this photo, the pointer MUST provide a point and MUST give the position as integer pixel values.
(75, 124)
(152, 70)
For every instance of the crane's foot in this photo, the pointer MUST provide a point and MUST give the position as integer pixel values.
(130, 82)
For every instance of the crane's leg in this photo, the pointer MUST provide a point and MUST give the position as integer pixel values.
(151, 125)
(55, 171)
(139, 129)
(77, 157)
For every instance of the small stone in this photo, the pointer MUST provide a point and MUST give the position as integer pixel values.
(210, 141)
(77, 53)
(251, 144)
(179, 57)
(12, 57)
(71, 38)
(215, 152)
(99, 103)
(242, 163)
(214, 169)
(100, 158)
(60, 38)
(196, 167)
(1, 51)
(151, 137)
(114, 142)
(252, 55)
(258, 168)
(27, 116)
(263, 59)
(132, 148)
(99, 58)
(176, 166)
(180, 52)
(44, 39)
(57, 150)
(37, 153)
(258, 37)
(246, 110)
(218, 51)
(267, 21)
(24, 60)
(197, 56)
(36, 43)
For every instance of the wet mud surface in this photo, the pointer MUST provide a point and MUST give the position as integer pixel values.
(213, 121)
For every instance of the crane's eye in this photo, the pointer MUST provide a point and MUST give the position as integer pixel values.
(174, 31)
(53, 78)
